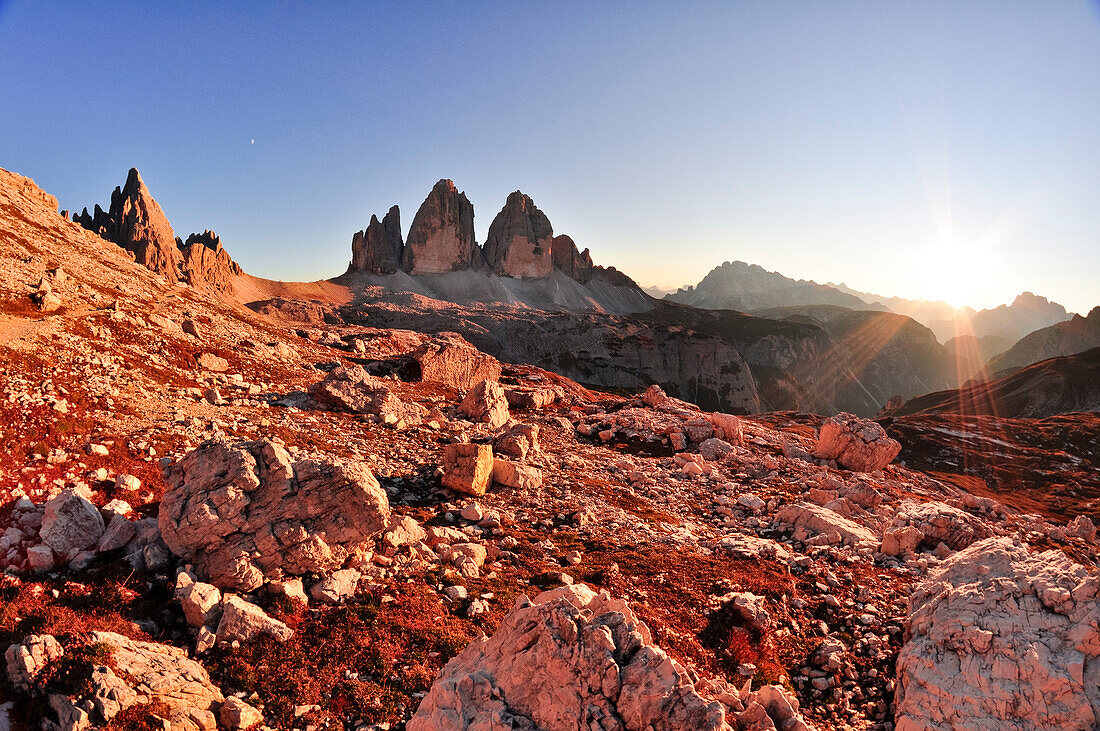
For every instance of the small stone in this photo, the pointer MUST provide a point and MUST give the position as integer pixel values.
(211, 362)
(473, 512)
(455, 593)
(236, 714)
(338, 587)
(127, 482)
(242, 621)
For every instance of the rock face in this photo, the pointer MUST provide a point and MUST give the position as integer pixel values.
(578, 264)
(136, 223)
(520, 240)
(1002, 638)
(378, 248)
(246, 513)
(441, 237)
(874, 356)
(860, 445)
(569, 260)
(574, 659)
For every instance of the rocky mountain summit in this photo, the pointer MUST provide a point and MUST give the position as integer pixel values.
(520, 244)
(520, 240)
(136, 222)
(378, 249)
(1027, 313)
(441, 237)
(746, 287)
(215, 519)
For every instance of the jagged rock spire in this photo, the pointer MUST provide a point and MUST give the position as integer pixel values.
(378, 249)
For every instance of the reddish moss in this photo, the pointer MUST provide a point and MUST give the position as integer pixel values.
(395, 648)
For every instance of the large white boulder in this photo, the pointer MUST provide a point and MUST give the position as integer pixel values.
(860, 445)
(71, 524)
(574, 659)
(1001, 637)
(246, 513)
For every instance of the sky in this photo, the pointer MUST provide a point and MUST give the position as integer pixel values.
(942, 150)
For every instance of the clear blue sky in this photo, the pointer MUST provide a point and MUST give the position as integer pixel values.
(869, 143)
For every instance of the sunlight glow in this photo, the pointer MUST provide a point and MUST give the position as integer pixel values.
(955, 271)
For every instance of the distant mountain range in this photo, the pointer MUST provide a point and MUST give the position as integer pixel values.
(1028, 312)
(736, 285)
(748, 287)
(744, 339)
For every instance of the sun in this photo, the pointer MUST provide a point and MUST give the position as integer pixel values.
(955, 272)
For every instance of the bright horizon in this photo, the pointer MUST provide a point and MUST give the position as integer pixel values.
(940, 152)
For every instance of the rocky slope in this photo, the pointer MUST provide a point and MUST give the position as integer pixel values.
(403, 546)
(719, 359)
(1047, 466)
(1050, 387)
(1064, 338)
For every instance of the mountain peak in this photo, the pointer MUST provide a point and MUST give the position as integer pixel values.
(520, 239)
(441, 237)
(136, 222)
